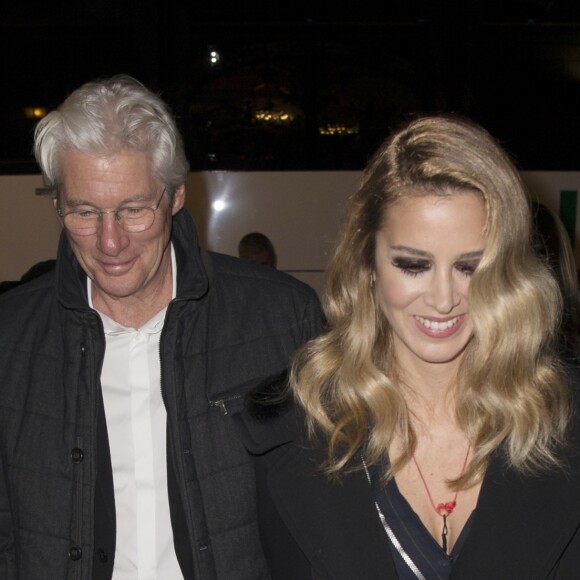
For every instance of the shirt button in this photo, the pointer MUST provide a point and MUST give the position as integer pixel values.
(75, 553)
(77, 455)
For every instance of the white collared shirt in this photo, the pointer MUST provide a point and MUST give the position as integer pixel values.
(136, 424)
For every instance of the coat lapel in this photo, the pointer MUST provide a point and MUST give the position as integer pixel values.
(334, 523)
(521, 523)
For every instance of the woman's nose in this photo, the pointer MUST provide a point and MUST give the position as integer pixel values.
(442, 294)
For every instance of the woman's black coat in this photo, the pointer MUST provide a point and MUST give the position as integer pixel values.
(314, 529)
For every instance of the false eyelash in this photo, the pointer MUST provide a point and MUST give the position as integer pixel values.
(467, 268)
(410, 267)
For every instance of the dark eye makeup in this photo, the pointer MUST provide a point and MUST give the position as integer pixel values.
(468, 267)
(411, 266)
(414, 267)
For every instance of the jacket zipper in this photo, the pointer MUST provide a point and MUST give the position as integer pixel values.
(161, 338)
(221, 404)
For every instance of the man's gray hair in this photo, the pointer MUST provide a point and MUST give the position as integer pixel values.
(107, 117)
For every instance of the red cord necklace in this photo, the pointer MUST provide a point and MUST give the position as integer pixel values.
(443, 509)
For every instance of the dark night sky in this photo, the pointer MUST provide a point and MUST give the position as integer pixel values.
(514, 66)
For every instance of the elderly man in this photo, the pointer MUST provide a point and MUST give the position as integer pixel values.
(121, 369)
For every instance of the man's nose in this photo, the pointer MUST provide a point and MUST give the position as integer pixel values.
(112, 239)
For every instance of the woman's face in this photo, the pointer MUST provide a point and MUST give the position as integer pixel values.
(426, 252)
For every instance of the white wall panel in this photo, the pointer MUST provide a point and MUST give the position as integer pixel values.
(299, 211)
(29, 227)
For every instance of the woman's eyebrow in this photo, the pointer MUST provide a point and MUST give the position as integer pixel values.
(476, 254)
(413, 251)
(472, 255)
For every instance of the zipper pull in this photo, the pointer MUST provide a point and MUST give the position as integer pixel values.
(221, 405)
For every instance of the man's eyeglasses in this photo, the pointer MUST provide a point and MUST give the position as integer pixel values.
(132, 218)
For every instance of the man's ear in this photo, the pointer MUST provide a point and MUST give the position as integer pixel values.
(178, 199)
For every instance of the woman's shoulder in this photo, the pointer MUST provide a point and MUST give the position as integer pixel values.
(270, 417)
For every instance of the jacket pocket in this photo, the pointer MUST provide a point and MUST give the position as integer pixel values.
(228, 404)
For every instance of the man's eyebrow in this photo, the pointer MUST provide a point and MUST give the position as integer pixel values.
(77, 202)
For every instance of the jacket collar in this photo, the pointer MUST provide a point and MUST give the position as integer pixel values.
(193, 275)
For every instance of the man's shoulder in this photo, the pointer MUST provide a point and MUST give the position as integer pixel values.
(229, 270)
(40, 288)
(27, 299)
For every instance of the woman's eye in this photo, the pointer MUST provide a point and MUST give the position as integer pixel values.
(411, 267)
(467, 268)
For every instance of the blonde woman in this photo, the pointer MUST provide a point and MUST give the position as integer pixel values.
(433, 434)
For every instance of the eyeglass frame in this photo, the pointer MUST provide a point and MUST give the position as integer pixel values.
(100, 213)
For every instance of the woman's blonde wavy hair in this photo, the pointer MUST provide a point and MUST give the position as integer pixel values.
(510, 389)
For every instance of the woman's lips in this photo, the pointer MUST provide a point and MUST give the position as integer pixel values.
(439, 327)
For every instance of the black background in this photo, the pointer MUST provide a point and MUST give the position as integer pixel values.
(513, 66)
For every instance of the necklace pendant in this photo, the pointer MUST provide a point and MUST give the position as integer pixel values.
(445, 509)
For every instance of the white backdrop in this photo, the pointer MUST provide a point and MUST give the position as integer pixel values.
(299, 211)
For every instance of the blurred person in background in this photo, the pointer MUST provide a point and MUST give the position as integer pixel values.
(257, 247)
(553, 244)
